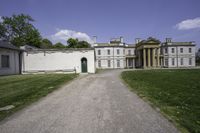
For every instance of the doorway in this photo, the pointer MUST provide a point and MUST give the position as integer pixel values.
(84, 65)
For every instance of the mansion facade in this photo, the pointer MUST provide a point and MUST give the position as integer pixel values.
(150, 53)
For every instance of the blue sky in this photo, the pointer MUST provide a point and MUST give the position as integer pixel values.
(59, 19)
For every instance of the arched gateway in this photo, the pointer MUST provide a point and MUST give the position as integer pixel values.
(84, 65)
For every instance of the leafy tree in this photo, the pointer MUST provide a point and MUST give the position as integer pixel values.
(83, 44)
(75, 43)
(72, 43)
(59, 45)
(19, 30)
(46, 43)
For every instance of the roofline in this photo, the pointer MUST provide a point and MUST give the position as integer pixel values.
(65, 49)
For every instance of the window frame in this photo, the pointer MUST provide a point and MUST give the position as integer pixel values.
(99, 63)
(173, 62)
(118, 51)
(108, 51)
(3, 65)
(118, 63)
(190, 50)
(99, 52)
(181, 50)
(190, 61)
(109, 63)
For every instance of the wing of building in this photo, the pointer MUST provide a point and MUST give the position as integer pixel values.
(10, 59)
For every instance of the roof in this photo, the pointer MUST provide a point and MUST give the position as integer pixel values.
(109, 45)
(179, 44)
(7, 45)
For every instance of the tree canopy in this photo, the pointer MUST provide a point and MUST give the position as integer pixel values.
(46, 43)
(75, 43)
(18, 29)
(59, 45)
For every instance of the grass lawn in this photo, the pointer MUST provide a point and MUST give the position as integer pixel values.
(175, 92)
(21, 90)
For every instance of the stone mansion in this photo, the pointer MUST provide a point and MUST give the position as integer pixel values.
(149, 53)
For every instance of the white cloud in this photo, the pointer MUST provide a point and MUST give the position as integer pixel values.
(63, 35)
(189, 24)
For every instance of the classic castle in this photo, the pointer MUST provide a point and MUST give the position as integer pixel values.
(150, 53)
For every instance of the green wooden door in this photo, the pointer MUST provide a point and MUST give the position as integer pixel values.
(84, 65)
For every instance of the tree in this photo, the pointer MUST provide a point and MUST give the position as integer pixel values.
(72, 43)
(59, 45)
(19, 30)
(83, 44)
(46, 43)
(75, 43)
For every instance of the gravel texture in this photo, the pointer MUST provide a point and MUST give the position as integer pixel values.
(94, 103)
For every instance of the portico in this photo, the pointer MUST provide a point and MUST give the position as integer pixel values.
(148, 53)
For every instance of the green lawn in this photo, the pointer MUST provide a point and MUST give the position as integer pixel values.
(21, 90)
(175, 92)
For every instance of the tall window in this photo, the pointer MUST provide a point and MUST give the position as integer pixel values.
(173, 62)
(166, 50)
(190, 50)
(181, 50)
(190, 61)
(166, 62)
(99, 52)
(129, 52)
(172, 50)
(118, 63)
(5, 61)
(181, 61)
(108, 63)
(108, 51)
(117, 51)
(99, 63)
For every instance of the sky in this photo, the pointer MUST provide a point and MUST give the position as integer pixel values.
(58, 20)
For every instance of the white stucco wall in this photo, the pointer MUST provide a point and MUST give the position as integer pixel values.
(13, 62)
(113, 57)
(39, 60)
(177, 56)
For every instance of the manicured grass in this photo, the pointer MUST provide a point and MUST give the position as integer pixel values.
(175, 92)
(21, 90)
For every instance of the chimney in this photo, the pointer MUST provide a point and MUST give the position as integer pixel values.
(137, 40)
(168, 40)
(121, 39)
(95, 39)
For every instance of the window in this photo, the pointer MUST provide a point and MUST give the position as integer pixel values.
(117, 51)
(172, 50)
(181, 61)
(99, 52)
(166, 50)
(190, 61)
(108, 51)
(129, 52)
(173, 62)
(181, 50)
(190, 50)
(108, 63)
(5, 61)
(118, 63)
(99, 63)
(166, 62)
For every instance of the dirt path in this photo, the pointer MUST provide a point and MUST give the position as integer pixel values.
(97, 103)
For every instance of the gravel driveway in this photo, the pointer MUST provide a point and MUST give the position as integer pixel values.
(96, 103)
